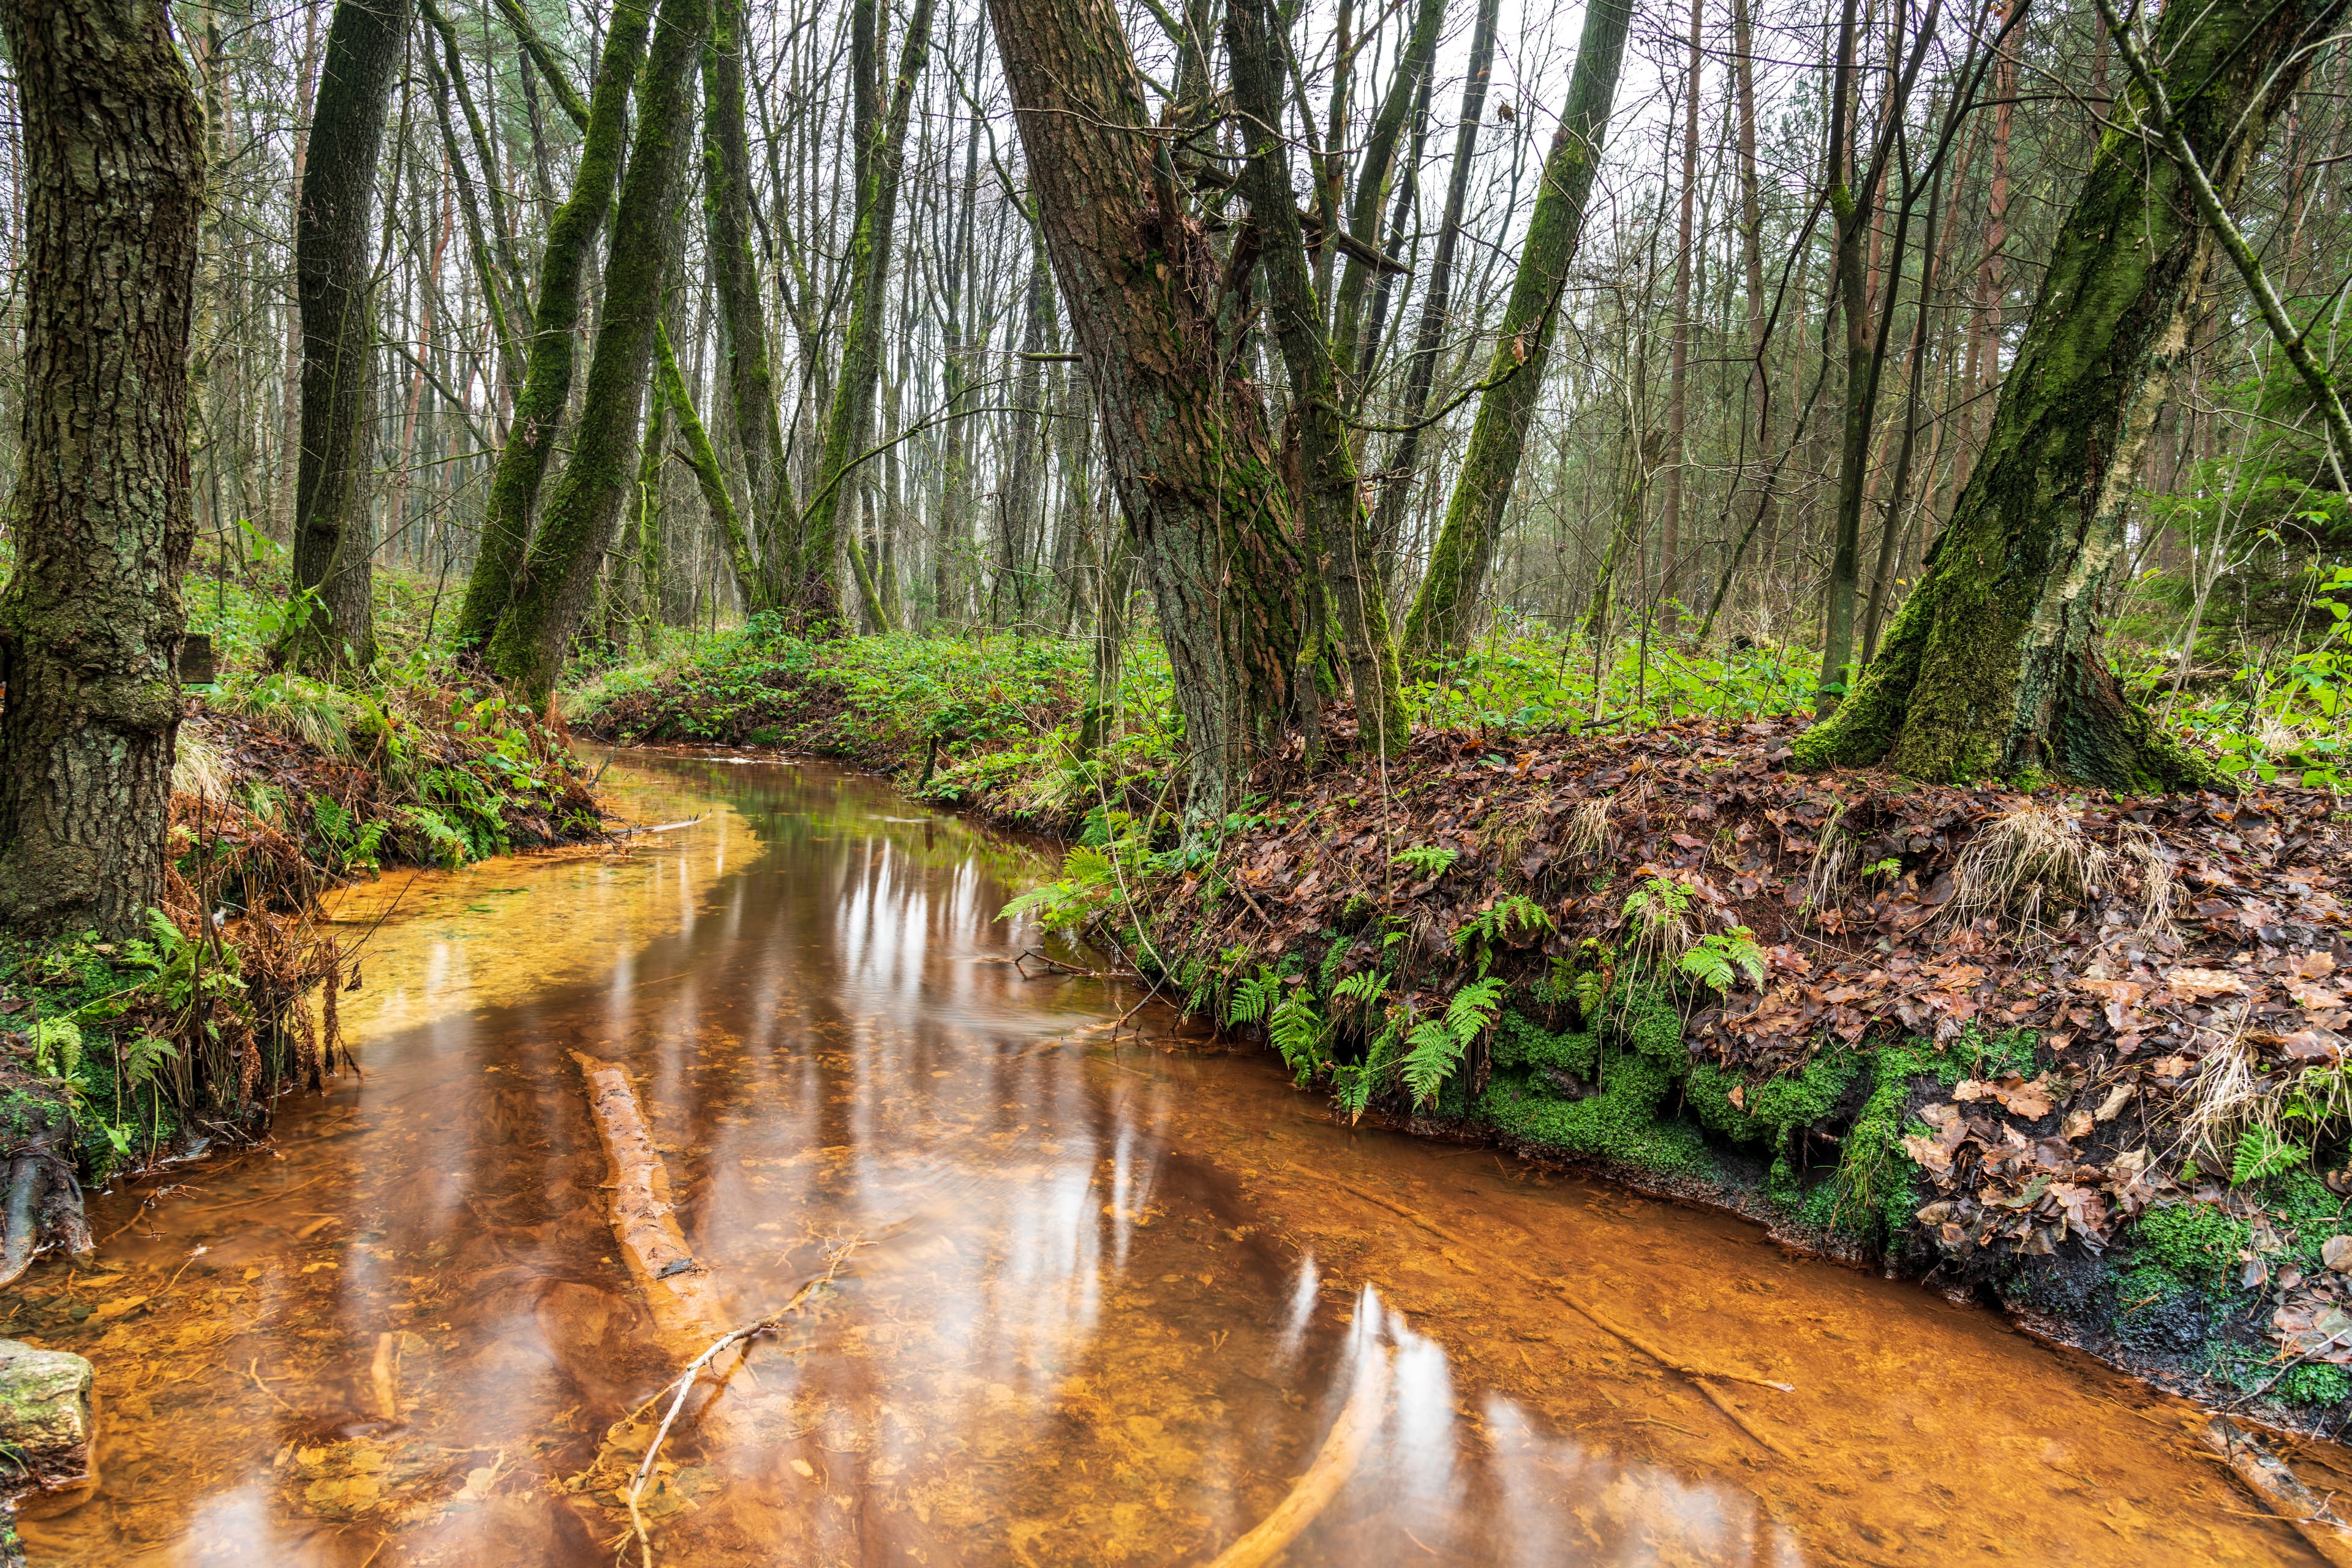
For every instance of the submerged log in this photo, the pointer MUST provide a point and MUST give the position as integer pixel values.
(678, 1290)
(1342, 1452)
(2278, 1489)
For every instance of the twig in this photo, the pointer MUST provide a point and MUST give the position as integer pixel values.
(684, 1384)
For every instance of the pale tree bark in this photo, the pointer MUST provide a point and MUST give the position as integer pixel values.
(91, 617)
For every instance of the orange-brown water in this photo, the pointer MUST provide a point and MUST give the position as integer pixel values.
(1104, 1300)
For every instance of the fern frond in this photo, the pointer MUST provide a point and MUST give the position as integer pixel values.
(1431, 1060)
(1296, 1030)
(1253, 996)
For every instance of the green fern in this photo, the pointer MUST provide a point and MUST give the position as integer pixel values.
(1513, 922)
(143, 1058)
(1657, 901)
(1437, 1045)
(1362, 992)
(1427, 860)
(1297, 1033)
(443, 842)
(2262, 1152)
(1254, 997)
(1716, 961)
(57, 1047)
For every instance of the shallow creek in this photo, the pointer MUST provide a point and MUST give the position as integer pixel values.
(1103, 1300)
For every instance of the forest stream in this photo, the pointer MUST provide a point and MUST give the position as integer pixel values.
(1094, 1297)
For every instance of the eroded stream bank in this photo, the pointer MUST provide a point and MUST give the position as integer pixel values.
(1107, 1298)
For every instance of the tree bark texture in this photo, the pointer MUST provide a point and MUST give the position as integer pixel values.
(528, 648)
(1429, 334)
(1992, 666)
(555, 322)
(750, 374)
(92, 618)
(1184, 428)
(1336, 536)
(815, 595)
(1443, 611)
(333, 546)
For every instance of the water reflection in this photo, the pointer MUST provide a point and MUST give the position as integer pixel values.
(1107, 1303)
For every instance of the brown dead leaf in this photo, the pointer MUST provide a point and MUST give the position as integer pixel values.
(2077, 1126)
(2337, 1253)
(2199, 984)
(1928, 1153)
(2113, 1106)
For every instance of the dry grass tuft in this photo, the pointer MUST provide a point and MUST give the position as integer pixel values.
(2029, 859)
(2139, 852)
(1588, 830)
(198, 766)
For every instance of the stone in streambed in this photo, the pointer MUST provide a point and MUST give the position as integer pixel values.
(47, 1420)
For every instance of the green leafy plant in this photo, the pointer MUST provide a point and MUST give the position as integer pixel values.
(57, 1047)
(1435, 1046)
(2262, 1152)
(1656, 904)
(1426, 860)
(1298, 1032)
(1717, 959)
(1890, 867)
(1361, 993)
(1516, 921)
(1088, 886)
(1253, 996)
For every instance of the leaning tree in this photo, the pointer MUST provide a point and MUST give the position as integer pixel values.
(1993, 666)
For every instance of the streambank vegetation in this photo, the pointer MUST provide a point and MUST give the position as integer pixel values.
(1785, 636)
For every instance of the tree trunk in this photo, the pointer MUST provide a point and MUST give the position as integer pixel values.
(815, 594)
(1678, 381)
(1337, 548)
(555, 322)
(1182, 423)
(332, 542)
(1992, 665)
(1440, 623)
(528, 648)
(91, 620)
(1436, 308)
(750, 378)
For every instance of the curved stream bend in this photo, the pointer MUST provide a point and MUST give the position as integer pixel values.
(1107, 1303)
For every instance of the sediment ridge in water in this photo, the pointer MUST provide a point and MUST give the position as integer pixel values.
(1104, 1300)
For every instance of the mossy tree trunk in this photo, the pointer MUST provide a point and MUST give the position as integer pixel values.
(555, 322)
(814, 596)
(1184, 428)
(528, 648)
(92, 618)
(1439, 625)
(333, 547)
(1336, 536)
(743, 321)
(1992, 666)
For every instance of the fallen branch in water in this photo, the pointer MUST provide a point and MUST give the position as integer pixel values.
(1342, 1451)
(1698, 1375)
(678, 1387)
(2265, 1475)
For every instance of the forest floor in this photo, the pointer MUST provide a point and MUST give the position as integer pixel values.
(2077, 1054)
